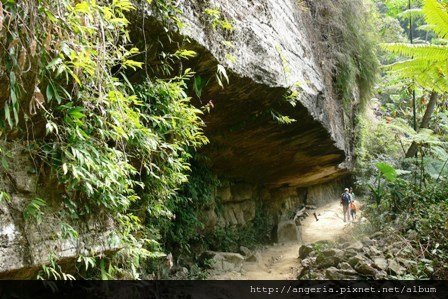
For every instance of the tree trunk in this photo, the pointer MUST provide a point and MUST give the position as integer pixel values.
(412, 151)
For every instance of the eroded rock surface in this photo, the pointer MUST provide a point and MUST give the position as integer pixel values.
(26, 245)
(272, 50)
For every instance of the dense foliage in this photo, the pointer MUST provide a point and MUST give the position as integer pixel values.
(114, 146)
(120, 141)
(408, 188)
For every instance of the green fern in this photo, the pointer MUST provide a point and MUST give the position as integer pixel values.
(434, 52)
(428, 64)
(436, 14)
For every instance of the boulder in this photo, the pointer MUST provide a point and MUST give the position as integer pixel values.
(305, 250)
(224, 261)
(367, 252)
(364, 220)
(287, 231)
(245, 251)
(229, 215)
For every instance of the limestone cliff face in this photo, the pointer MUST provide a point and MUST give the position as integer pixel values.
(271, 52)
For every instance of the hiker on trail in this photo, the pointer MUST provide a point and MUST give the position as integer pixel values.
(345, 202)
(352, 195)
(353, 209)
(352, 206)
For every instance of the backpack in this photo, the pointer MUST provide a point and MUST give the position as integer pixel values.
(345, 198)
(353, 206)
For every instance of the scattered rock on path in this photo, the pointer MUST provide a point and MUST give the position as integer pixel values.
(325, 260)
(225, 261)
(407, 263)
(306, 263)
(365, 269)
(287, 231)
(345, 266)
(348, 253)
(336, 274)
(380, 263)
(380, 275)
(368, 242)
(334, 252)
(333, 273)
(305, 250)
(374, 250)
(357, 245)
(395, 267)
(355, 260)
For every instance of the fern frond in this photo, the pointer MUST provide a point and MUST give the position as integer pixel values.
(428, 66)
(433, 52)
(436, 14)
(414, 12)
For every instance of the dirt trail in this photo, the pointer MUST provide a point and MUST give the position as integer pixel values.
(279, 262)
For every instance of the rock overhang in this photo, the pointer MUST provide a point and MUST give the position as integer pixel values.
(272, 46)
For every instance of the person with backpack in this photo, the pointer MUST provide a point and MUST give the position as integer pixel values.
(345, 202)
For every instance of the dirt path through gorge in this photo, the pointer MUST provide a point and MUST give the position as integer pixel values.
(280, 261)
